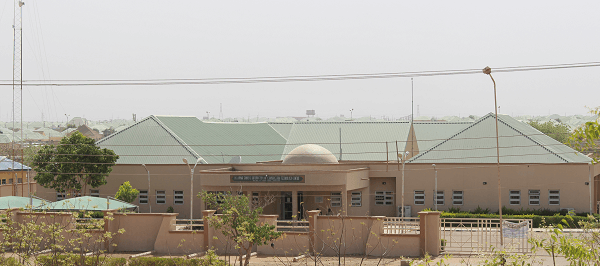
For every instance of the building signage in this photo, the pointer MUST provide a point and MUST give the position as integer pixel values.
(267, 179)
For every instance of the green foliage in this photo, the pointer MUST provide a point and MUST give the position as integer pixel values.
(239, 222)
(73, 165)
(454, 209)
(557, 131)
(75, 260)
(127, 193)
(585, 138)
(9, 262)
(170, 209)
(479, 210)
(208, 260)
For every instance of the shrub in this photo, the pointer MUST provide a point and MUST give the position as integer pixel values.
(9, 262)
(148, 261)
(74, 260)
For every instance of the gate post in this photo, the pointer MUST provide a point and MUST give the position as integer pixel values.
(312, 230)
(430, 240)
(208, 230)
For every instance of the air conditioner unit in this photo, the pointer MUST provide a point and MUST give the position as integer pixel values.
(407, 211)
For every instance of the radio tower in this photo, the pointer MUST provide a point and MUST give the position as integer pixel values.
(17, 155)
(221, 112)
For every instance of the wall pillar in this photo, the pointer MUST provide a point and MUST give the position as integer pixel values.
(430, 233)
(294, 204)
(344, 201)
(208, 230)
(312, 230)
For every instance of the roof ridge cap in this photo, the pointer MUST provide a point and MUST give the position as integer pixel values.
(177, 138)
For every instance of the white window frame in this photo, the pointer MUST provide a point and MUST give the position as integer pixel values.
(60, 196)
(534, 196)
(514, 197)
(419, 197)
(95, 193)
(441, 198)
(356, 199)
(161, 197)
(554, 197)
(178, 197)
(458, 197)
(143, 196)
(336, 199)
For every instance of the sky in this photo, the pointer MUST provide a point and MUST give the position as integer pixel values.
(108, 40)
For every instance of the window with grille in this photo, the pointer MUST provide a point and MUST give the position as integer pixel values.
(60, 196)
(161, 197)
(95, 193)
(534, 197)
(178, 199)
(554, 197)
(457, 197)
(419, 197)
(356, 199)
(3, 181)
(143, 197)
(514, 197)
(19, 180)
(440, 198)
(336, 199)
(255, 198)
(384, 198)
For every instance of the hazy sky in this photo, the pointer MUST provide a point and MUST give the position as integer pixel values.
(213, 39)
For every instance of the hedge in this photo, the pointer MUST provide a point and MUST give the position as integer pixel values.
(150, 261)
(537, 221)
(74, 260)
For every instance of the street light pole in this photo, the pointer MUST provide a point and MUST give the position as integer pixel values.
(403, 160)
(435, 189)
(488, 71)
(149, 202)
(192, 186)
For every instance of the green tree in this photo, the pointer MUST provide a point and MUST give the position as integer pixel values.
(239, 222)
(73, 165)
(127, 193)
(557, 131)
(586, 138)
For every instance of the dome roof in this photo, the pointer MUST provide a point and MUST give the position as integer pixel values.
(309, 154)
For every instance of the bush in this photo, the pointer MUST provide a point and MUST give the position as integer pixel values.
(209, 260)
(9, 262)
(74, 260)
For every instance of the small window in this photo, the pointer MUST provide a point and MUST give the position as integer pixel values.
(534, 197)
(3, 181)
(356, 199)
(255, 198)
(178, 199)
(554, 197)
(419, 197)
(20, 180)
(143, 196)
(440, 198)
(10, 181)
(514, 197)
(384, 198)
(160, 197)
(457, 197)
(336, 199)
(60, 196)
(95, 193)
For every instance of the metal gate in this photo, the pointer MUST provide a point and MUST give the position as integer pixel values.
(479, 235)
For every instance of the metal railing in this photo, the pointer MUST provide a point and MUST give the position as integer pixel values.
(189, 224)
(292, 226)
(480, 235)
(399, 225)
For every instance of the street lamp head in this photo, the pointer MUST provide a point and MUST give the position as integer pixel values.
(199, 160)
(185, 161)
(433, 166)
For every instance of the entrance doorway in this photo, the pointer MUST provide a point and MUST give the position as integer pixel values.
(287, 212)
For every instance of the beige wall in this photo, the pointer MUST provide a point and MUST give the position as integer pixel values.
(321, 180)
(16, 188)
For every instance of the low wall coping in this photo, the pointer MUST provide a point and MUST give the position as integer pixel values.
(268, 216)
(294, 233)
(145, 214)
(47, 213)
(185, 231)
(350, 217)
(402, 235)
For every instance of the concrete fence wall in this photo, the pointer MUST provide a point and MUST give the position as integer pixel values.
(327, 235)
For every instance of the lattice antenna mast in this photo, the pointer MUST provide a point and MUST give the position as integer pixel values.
(17, 152)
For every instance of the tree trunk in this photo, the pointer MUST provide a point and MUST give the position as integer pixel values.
(248, 252)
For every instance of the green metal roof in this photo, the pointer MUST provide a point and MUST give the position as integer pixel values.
(87, 203)
(148, 142)
(19, 202)
(428, 134)
(282, 128)
(359, 140)
(519, 143)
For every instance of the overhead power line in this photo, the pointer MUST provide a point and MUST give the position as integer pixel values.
(279, 79)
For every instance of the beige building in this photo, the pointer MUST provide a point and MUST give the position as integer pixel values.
(351, 167)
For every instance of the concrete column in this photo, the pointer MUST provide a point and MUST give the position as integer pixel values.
(294, 204)
(312, 230)
(430, 239)
(108, 224)
(208, 230)
(344, 201)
